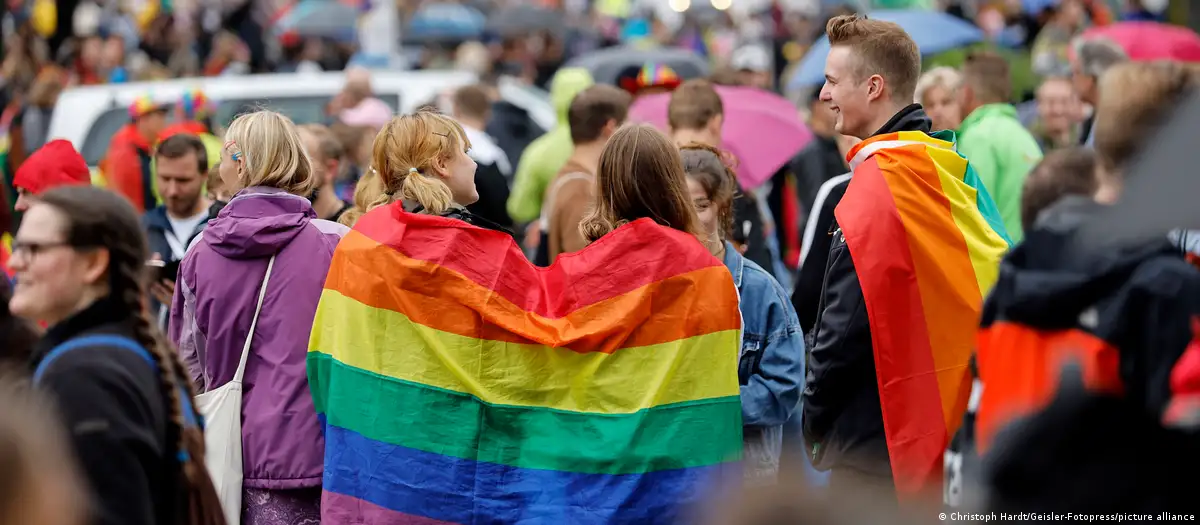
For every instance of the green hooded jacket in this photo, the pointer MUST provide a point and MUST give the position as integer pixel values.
(1002, 152)
(545, 156)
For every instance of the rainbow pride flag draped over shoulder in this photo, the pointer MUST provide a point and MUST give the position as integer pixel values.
(926, 240)
(458, 383)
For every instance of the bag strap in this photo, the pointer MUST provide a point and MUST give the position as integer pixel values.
(262, 294)
(548, 207)
(190, 417)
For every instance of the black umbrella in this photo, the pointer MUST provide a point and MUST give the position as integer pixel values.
(1161, 186)
(524, 19)
(607, 65)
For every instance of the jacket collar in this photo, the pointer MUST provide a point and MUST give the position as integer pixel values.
(157, 218)
(735, 263)
(865, 149)
(102, 312)
(911, 118)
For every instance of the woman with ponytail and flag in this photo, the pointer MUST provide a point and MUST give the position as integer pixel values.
(916, 244)
(458, 383)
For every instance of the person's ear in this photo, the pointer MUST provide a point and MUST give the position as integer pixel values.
(439, 167)
(610, 127)
(715, 123)
(95, 264)
(875, 88)
(331, 169)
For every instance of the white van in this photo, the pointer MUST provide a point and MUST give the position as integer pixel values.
(89, 116)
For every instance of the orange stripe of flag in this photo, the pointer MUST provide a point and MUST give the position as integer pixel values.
(441, 298)
(647, 253)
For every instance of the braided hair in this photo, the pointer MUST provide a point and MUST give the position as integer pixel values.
(102, 219)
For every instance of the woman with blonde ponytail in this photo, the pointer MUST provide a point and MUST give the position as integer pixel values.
(121, 391)
(268, 237)
(421, 159)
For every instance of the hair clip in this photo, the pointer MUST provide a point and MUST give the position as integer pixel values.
(236, 154)
(414, 170)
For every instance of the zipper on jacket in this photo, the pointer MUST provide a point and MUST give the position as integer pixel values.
(820, 303)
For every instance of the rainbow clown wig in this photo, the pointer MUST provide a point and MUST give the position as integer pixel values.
(651, 75)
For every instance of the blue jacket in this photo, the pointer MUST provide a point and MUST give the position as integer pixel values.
(158, 227)
(770, 364)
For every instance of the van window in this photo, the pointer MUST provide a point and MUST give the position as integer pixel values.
(302, 110)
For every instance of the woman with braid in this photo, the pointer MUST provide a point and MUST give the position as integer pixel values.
(122, 393)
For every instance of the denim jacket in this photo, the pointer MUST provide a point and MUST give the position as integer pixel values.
(770, 364)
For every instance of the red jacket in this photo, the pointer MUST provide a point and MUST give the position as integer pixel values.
(127, 167)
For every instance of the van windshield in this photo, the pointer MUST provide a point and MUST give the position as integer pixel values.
(302, 110)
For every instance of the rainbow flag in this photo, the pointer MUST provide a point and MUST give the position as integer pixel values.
(926, 240)
(458, 383)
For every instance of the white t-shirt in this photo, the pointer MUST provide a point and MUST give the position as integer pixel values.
(181, 232)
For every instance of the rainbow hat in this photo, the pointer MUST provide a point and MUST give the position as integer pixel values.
(194, 105)
(143, 106)
(651, 75)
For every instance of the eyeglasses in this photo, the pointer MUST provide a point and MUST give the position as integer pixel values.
(28, 250)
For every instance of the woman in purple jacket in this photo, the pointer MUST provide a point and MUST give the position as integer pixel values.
(215, 298)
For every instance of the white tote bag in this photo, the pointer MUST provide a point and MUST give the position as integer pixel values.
(222, 410)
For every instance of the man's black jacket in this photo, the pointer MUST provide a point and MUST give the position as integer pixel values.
(843, 421)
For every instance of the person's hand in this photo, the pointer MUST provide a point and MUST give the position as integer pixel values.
(533, 235)
(163, 291)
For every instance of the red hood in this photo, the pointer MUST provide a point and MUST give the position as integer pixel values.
(55, 164)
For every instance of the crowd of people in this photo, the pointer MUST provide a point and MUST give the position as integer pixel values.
(400, 319)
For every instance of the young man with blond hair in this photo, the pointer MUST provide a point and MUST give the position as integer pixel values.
(914, 244)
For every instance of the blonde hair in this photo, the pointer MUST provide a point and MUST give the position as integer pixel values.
(882, 48)
(366, 191)
(944, 77)
(402, 159)
(272, 153)
(1137, 98)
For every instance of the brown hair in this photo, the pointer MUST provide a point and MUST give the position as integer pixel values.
(403, 156)
(18, 335)
(213, 184)
(640, 175)
(328, 145)
(725, 76)
(707, 166)
(181, 144)
(693, 105)
(1061, 173)
(35, 455)
(987, 74)
(472, 101)
(1135, 99)
(102, 219)
(882, 48)
(593, 108)
(47, 86)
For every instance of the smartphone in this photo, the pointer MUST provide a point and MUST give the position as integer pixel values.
(168, 270)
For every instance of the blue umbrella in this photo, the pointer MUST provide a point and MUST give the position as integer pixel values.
(933, 31)
(446, 22)
(315, 18)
